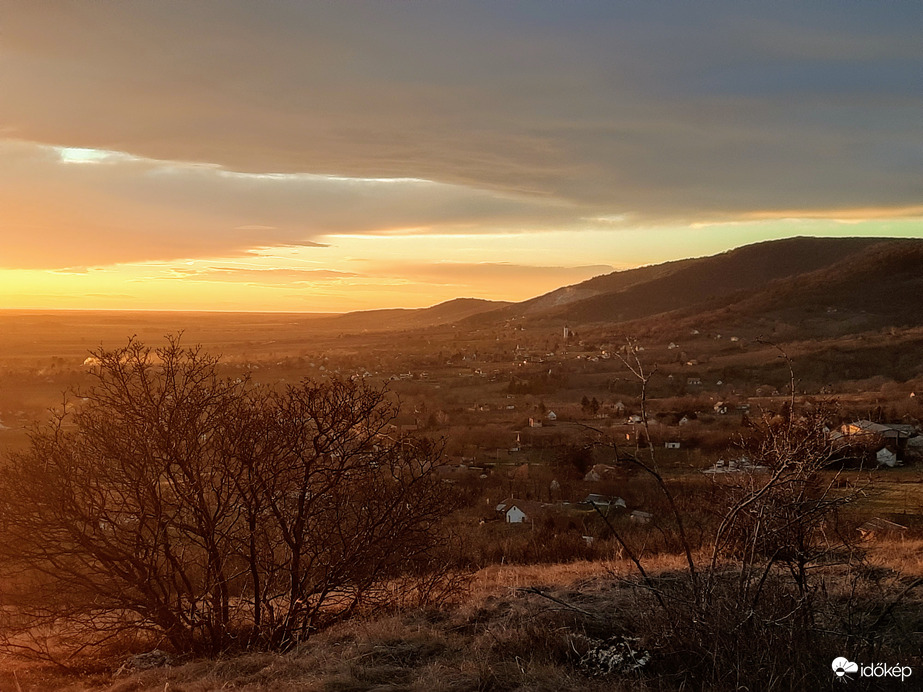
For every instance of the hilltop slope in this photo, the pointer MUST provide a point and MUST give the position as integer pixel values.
(409, 318)
(878, 278)
(703, 282)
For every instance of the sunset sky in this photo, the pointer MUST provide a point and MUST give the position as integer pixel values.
(308, 156)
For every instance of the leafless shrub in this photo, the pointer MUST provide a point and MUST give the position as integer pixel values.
(756, 608)
(213, 514)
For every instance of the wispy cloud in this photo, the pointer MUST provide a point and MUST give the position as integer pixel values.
(500, 277)
(265, 277)
(138, 209)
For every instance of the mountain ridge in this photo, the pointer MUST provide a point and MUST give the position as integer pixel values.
(784, 276)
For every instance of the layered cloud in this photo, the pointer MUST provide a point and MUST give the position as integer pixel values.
(264, 277)
(659, 110)
(502, 276)
(132, 132)
(444, 278)
(65, 207)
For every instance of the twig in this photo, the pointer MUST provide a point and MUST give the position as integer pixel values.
(534, 590)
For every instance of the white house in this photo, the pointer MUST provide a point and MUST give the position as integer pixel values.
(604, 502)
(671, 445)
(519, 511)
(552, 415)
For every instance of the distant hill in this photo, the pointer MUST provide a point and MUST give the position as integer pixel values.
(873, 276)
(398, 318)
(827, 286)
(881, 286)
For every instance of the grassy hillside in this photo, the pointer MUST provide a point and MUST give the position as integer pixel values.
(503, 636)
(712, 279)
(398, 318)
(851, 272)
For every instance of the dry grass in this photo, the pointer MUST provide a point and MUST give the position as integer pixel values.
(495, 579)
(501, 638)
(902, 555)
(508, 645)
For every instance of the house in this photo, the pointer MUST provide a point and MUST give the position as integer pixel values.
(535, 422)
(721, 408)
(604, 502)
(888, 439)
(519, 511)
(671, 445)
(685, 420)
(693, 381)
(552, 415)
(892, 432)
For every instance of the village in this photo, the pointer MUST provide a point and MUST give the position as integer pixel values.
(542, 428)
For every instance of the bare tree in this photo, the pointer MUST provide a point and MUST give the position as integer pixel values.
(336, 506)
(209, 512)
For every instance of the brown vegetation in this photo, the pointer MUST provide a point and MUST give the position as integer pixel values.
(172, 505)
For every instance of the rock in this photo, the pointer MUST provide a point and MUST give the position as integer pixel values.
(146, 661)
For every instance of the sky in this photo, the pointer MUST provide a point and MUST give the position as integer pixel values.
(333, 156)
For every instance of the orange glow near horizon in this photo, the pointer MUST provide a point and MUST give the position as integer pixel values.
(353, 272)
(282, 157)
